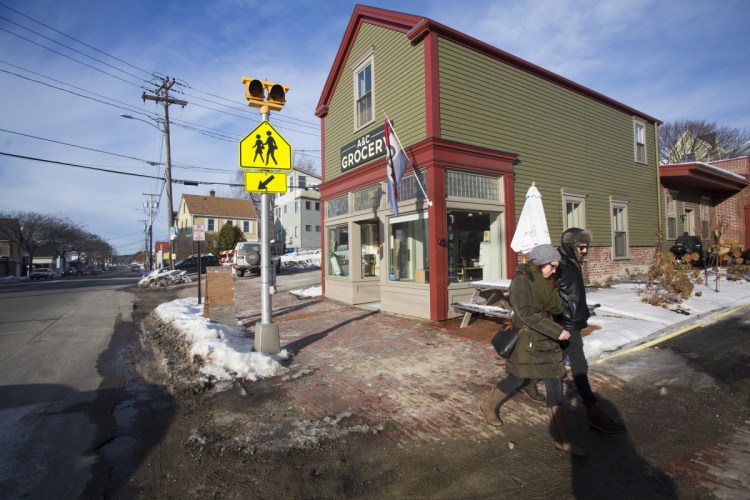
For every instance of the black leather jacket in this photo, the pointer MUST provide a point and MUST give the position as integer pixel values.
(572, 291)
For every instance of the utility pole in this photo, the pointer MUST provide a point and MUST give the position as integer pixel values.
(145, 232)
(151, 206)
(162, 96)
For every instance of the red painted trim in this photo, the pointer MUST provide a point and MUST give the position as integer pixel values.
(510, 224)
(323, 260)
(432, 86)
(437, 226)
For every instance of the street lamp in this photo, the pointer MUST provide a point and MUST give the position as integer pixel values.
(167, 178)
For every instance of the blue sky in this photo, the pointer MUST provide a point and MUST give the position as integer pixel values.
(669, 59)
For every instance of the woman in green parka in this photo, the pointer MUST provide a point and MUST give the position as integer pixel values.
(535, 301)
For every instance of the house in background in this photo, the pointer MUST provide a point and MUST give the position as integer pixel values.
(692, 148)
(297, 213)
(697, 197)
(214, 211)
(478, 125)
(10, 253)
(701, 193)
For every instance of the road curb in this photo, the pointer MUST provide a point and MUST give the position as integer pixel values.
(671, 332)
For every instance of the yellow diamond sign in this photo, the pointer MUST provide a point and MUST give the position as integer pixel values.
(264, 148)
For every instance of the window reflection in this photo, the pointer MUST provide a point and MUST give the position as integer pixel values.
(473, 245)
(408, 256)
(338, 246)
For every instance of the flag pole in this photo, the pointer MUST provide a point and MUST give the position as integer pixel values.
(416, 174)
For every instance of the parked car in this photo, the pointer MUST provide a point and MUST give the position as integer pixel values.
(246, 258)
(190, 264)
(687, 244)
(88, 271)
(42, 273)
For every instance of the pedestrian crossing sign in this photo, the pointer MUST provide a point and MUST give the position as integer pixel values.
(265, 149)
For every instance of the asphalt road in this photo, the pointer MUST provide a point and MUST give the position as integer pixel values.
(63, 380)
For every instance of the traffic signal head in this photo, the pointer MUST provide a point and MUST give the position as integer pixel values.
(264, 95)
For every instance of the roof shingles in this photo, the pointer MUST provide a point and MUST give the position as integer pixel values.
(219, 207)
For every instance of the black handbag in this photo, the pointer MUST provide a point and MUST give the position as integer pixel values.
(505, 339)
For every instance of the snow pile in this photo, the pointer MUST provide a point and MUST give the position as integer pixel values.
(221, 352)
(300, 261)
(162, 278)
(315, 291)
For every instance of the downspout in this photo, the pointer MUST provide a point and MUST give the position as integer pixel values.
(662, 229)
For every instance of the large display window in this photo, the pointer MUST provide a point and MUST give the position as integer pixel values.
(338, 248)
(407, 246)
(474, 251)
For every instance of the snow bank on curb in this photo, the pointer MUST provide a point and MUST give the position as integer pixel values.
(225, 354)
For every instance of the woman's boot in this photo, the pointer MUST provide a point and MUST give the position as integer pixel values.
(560, 435)
(531, 391)
(489, 407)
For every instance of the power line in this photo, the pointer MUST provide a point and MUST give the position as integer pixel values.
(109, 171)
(74, 39)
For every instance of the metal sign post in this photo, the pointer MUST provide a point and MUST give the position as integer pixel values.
(199, 234)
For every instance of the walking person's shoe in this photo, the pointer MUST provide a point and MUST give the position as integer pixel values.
(600, 422)
(560, 434)
(531, 391)
(489, 407)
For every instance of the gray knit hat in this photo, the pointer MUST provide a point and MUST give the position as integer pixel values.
(543, 254)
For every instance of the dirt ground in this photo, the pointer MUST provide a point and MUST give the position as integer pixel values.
(251, 441)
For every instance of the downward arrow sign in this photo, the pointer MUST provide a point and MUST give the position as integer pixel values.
(264, 184)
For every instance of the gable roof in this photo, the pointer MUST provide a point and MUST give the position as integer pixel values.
(219, 207)
(417, 27)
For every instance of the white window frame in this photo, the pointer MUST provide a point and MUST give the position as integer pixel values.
(367, 60)
(705, 217)
(247, 226)
(639, 140)
(574, 197)
(671, 213)
(619, 226)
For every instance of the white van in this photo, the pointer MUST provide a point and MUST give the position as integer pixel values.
(246, 258)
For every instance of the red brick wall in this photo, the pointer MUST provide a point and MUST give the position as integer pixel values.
(600, 267)
(732, 210)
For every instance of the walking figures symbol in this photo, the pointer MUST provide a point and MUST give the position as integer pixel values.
(269, 145)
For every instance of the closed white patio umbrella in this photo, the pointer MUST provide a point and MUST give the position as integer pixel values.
(532, 225)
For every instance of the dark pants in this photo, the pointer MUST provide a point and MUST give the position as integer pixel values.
(552, 386)
(579, 366)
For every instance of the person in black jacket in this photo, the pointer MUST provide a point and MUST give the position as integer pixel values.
(574, 245)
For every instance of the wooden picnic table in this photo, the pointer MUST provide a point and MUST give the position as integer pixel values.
(496, 292)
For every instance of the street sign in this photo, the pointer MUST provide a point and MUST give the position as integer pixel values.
(265, 182)
(199, 232)
(265, 149)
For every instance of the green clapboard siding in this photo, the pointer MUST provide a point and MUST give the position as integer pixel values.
(399, 89)
(564, 140)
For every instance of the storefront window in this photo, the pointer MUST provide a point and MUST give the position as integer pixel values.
(370, 236)
(338, 248)
(407, 246)
(474, 251)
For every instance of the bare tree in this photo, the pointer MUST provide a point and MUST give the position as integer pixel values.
(29, 230)
(698, 140)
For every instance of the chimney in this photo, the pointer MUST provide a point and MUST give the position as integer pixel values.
(212, 193)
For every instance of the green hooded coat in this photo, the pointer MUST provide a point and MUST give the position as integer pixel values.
(538, 354)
